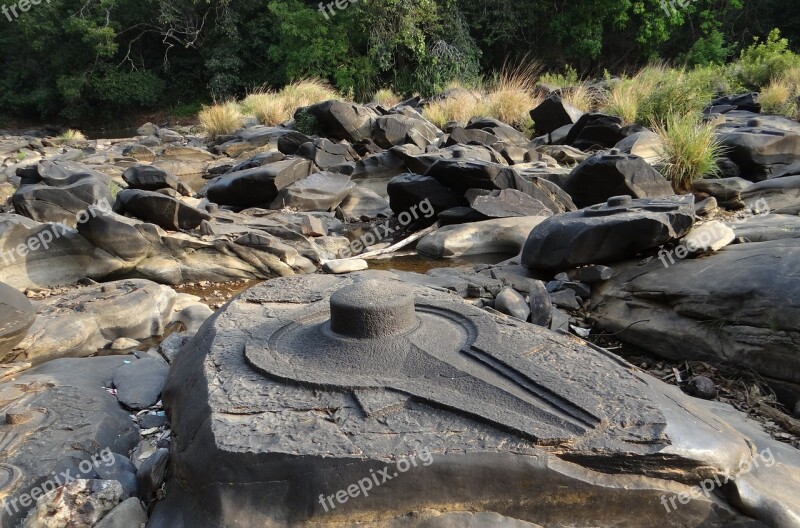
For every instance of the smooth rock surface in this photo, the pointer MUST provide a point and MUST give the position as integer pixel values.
(502, 235)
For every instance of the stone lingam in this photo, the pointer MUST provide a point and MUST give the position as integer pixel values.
(322, 401)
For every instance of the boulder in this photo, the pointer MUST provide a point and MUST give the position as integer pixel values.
(605, 233)
(727, 191)
(410, 190)
(605, 175)
(553, 113)
(139, 383)
(149, 178)
(645, 144)
(759, 147)
(498, 236)
(504, 132)
(508, 203)
(510, 302)
(65, 204)
(392, 130)
(258, 185)
(78, 503)
(362, 202)
(16, 316)
(595, 131)
(777, 195)
(762, 228)
(343, 121)
(325, 154)
(128, 514)
(251, 139)
(164, 211)
(323, 191)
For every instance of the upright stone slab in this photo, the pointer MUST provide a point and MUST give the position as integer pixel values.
(322, 401)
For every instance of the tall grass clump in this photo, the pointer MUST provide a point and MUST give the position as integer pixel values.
(386, 98)
(273, 108)
(780, 97)
(580, 96)
(220, 119)
(458, 107)
(674, 93)
(72, 135)
(512, 96)
(689, 149)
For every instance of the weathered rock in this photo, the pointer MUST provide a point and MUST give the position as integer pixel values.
(607, 233)
(123, 471)
(554, 113)
(149, 178)
(193, 317)
(155, 208)
(591, 274)
(128, 514)
(323, 191)
(541, 305)
(702, 387)
(605, 175)
(363, 202)
(345, 266)
(506, 389)
(325, 154)
(778, 195)
(410, 190)
(725, 190)
(139, 383)
(708, 237)
(258, 185)
(690, 310)
(646, 145)
(508, 203)
(761, 228)
(501, 235)
(504, 132)
(67, 421)
(257, 138)
(393, 130)
(510, 302)
(343, 121)
(151, 474)
(759, 146)
(62, 204)
(595, 131)
(79, 503)
(16, 316)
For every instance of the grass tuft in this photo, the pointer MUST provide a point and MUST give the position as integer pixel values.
(689, 148)
(220, 119)
(273, 108)
(386, 98)
(72, 135)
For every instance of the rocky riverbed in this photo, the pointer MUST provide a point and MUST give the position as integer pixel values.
(247, 331)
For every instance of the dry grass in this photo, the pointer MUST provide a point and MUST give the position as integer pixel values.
(273, 108)
(628, 94)
(689, 148)
(780, 97)
(386, 98)
(580, 96)
(72, 135)
(458, 108)
(220, 119)
(511, 96)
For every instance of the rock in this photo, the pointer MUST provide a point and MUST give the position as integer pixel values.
(193, 317)
(502, 235)
(408, 191)
(778, 195)
(463, 136)
(595, 131)
(139, 383)
(504, 132)
(168, 136)
(708, 237)
(759, 146)
(462, 176)
(128, 514)
(256, 186)
(164, 211)
(566, 300)
(554, 113)
(706, 207)
(393, 130)
(123, 471)
(68, 422)
(252, 140)
(605, 175)
(149, 178)
(16, 317)
(343, 121)
(607, 233)
(725, 190)
(79, 503)
(151, 474)
(323, 191)
(65, 204)
(150, 421)
(508, 203)
(747, 102)
(514, 275)
(797, 409)
(591, 274)
(362, 202)
(693, 312)
(506, 387)
(326, 154)
(762, 228)
(171, 346)
(702, 387)
(541, 305)
(512, 303)
(124, 343)
(81, 322)
(645, 144)
(147, 129)
(345, 266)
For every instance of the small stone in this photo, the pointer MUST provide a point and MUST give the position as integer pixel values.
(140, 382)
(711, 236)
(560, 320)
(344, 266)
(540, 304)
(124, 343)
(128, 514)
(313, 226)
(123, 471)
(706, 207)
(581, 290)
(510, 302)
(702, 387)
(149, 421)
(591, 274)
(108, 288)
(565, 299)
(151, 474)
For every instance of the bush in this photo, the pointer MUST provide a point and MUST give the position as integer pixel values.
(561, 80)
(689, 148)
(220, 119)
(780, 97)
(762, 62)
(674, 93)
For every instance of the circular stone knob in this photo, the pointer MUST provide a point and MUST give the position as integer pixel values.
(619, 201)
(371, 309)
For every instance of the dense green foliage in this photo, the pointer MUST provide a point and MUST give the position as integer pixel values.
(81, 59)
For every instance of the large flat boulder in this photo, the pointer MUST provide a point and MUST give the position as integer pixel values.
(497, 236)
(323, 191)
(258, 185)
(159, 209)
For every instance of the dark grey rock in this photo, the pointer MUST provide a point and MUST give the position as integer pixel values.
(510, 302)
(604, 175)
(16, 317)
(702, 387)
(393, 130)
(258, 185)
(463, 136)
(410, 190)
(559, 321)
(504, 132)
(326, 154)
(723, 189)
(595, 131)
(508, 203)
(706, 207)
(323, 191)
(123, 471)
(150, 178)
(343, 121)
(607, 233)
(155, 208)
(64, 203)
(778, 195)
(139, 383)
(129, 513)
(591, 274)
(151, 474)
(760, 146)
(565, 299)
(541, 305)
(554, 113)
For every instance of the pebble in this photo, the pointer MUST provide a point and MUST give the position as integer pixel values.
(702, 387)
